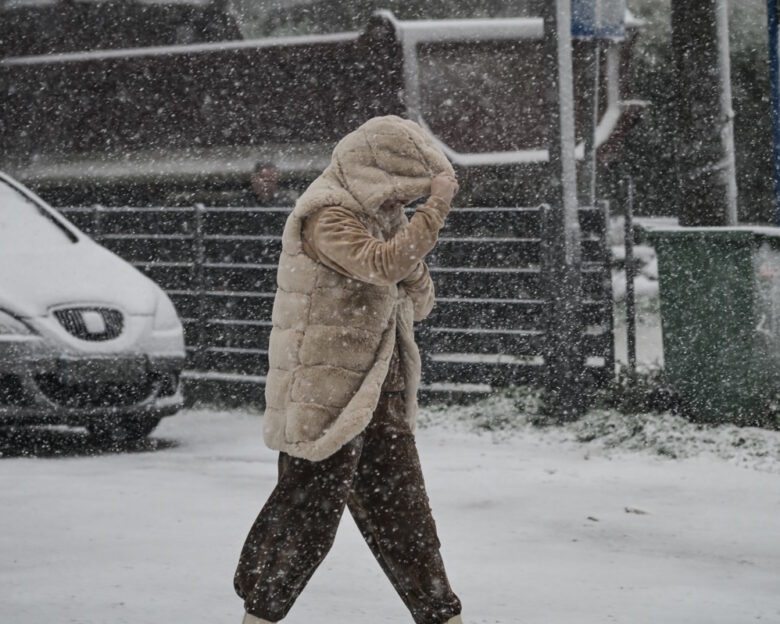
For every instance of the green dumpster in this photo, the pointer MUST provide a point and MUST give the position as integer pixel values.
(720, 317)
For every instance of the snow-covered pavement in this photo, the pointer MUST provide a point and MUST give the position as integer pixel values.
(534, 529)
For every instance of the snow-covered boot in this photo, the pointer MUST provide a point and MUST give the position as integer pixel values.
(455, 620)
(251, 619)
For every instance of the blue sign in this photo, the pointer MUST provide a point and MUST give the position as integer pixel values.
(598, 19)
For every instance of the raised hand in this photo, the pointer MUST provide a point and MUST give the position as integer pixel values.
(444, 186)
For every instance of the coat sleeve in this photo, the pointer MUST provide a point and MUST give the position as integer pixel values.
(342, 242)
(419, 286)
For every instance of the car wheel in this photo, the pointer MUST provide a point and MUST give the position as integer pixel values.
(124, 430)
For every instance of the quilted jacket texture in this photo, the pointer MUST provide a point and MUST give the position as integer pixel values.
(334, 326)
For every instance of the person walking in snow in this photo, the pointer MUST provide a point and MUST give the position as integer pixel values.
(344, 369)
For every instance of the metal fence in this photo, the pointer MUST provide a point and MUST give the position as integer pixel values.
(487, 329)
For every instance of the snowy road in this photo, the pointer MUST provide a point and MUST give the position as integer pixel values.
(533, 532)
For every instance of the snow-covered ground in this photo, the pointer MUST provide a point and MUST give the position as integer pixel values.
(559, 525)
(616, 518)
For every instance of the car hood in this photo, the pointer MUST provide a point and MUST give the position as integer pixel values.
(31, 282)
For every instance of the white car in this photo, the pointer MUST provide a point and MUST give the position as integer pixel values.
(85, 339)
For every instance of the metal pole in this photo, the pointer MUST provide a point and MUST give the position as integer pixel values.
(564, 354)
(726, 111)
(588, 194)
(199, 284)
(628, 242)
(97, 222)
(608, 294)
(774, 85)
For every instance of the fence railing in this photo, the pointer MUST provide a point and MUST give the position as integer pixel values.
(487, 329)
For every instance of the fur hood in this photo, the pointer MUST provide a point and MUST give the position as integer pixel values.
(385, 158)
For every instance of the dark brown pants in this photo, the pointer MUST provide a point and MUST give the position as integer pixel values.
(378, 476)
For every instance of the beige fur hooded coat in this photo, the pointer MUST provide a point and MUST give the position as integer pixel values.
(333, 334)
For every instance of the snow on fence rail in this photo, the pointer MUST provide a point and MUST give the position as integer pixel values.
(488, 328)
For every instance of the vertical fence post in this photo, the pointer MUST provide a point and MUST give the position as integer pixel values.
(628, 238)
(97, 222)
(608, 294)
(199, 286)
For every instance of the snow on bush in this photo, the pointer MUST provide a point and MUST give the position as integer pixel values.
(607, 432)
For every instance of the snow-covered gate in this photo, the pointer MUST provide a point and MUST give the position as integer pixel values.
(487, 330)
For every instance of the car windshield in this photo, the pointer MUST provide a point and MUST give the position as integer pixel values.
(24, 225)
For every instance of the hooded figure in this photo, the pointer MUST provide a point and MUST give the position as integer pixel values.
(333, 335)
(344, 369)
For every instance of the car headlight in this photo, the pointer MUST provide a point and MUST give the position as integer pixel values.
(10, 325)
(165, 316)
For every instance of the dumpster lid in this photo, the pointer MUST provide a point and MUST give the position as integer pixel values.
(668, 230)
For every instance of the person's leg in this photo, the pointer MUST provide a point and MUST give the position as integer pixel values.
(390, 506)
(294, 531)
